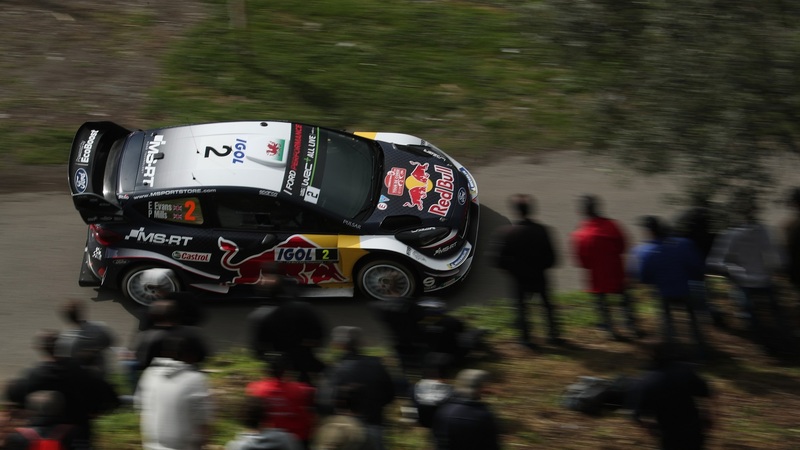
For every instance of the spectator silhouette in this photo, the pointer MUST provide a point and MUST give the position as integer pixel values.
(344, 430)
(259, 434)
(695, 224)
(599, 246)
(403, 317)
(189, 308)
(46, 409)
(431, 391)
(289, 404)
(746, 255)
(86, 394)
(286, 325)
(792, 240)
(525, 252)
(149, 344)
(465, 422)
(669, 264)
(667, 393)
(87, 342)
(368, 372)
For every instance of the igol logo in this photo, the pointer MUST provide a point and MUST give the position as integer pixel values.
(81, 180)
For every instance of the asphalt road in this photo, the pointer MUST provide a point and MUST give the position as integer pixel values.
(42, 240)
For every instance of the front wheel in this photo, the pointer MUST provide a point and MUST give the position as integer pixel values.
(146, 284)
(384, 279)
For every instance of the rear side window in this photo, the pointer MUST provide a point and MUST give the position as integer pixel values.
(262, 213)
(184, 210)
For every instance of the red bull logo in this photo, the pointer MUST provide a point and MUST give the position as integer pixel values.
(248, 269)
(444, 187)
(418, 184)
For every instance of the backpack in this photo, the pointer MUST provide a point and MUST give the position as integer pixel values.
(587, 395)
(37, 442)
(593, 395)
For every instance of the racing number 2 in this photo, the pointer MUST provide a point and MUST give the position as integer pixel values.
(238, 155)
(190, 207)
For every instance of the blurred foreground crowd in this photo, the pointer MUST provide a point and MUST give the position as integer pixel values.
(303, 402)
(300, 403)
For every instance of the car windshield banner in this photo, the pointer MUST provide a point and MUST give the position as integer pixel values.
(305, 164)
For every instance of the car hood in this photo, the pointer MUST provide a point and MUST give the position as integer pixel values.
(422, 186)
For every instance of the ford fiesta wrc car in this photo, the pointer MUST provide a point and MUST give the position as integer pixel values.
(387, 214)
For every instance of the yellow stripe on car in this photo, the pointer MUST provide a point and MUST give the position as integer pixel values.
(349, 252)
(366, 134)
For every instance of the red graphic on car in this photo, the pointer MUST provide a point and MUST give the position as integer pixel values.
(273, 148)
(416, 194)
(394, 181)
(418, 184)
(248, 269)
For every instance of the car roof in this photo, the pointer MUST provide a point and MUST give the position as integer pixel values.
(252, 154)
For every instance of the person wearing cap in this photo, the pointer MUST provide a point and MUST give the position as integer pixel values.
(746, 254)
(525, 252)
(368, 372)
(465, 422)
(599, 247)
(668, 263)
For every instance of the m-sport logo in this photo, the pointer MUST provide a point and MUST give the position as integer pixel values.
(157, 238)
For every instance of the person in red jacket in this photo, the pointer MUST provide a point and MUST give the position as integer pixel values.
(599, 246)
(289, 404)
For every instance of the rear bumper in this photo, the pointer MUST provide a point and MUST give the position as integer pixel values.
(87, 276)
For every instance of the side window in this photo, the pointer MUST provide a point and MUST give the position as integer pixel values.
(250, 212)
(184, 210)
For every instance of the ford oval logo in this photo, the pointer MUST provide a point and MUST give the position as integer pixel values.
(462, 196)
(81, 180)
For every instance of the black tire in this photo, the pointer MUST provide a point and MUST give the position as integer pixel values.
(134, 289)
(386, 278)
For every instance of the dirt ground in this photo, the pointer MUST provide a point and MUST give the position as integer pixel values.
(64, 63)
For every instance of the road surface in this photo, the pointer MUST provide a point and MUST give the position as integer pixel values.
(42, 239)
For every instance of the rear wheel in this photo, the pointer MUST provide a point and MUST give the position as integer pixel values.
(141, 286)
(385, 278)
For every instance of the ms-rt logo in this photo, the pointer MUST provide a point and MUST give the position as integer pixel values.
(157, 238)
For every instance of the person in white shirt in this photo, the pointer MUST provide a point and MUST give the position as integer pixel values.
(175, 400)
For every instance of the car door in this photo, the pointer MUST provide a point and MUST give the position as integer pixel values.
(259, 233)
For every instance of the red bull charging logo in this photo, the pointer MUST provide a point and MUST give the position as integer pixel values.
(418, 184)
(248, 268)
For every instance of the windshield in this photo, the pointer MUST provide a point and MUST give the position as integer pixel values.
(348, 181)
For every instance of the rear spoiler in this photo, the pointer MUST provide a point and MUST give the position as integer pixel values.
(87, 165)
